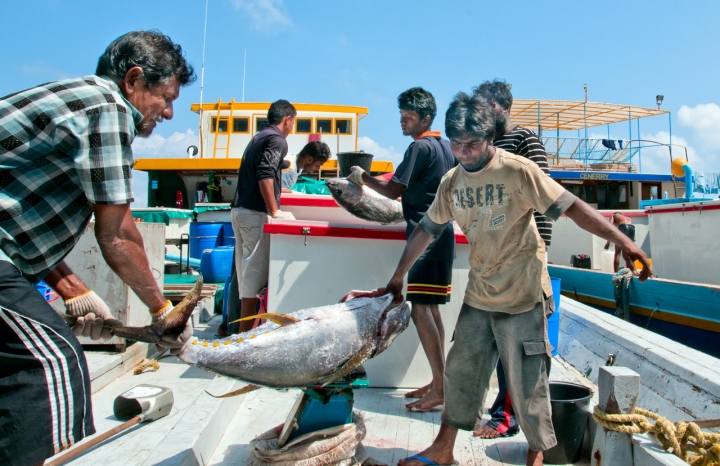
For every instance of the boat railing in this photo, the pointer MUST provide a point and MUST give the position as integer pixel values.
(616, 154)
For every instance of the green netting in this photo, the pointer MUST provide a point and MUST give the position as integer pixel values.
(307, 185)
(209, 208)
(162, 216)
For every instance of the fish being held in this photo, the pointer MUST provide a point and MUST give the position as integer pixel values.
(365, 203)
(173, 324)
(316, 345)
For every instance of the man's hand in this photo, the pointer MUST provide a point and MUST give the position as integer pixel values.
(631, 254)
(395, 287)
(356, 175)
(172, 342)
(280, 215)
(94, 317)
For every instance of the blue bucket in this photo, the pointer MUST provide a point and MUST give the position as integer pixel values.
(216, 264)
(228, 235)
(204, 236)
(554, 319)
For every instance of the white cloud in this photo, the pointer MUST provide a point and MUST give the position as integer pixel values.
(379, 153)
(704, 119)
(656, 159)
(158, 146)
(264, 13)
(41, 69)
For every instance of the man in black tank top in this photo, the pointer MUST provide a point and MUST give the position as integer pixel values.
(416, 179)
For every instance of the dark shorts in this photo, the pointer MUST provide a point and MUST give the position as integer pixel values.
(45, 404)
(430, 282)
(628, 230)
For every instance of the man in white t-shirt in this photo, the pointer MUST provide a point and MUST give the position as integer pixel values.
(492, 195)
(309, 160)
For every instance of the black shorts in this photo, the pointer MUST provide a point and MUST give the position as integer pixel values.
(628, 229)
(430, 282)
(45, 404)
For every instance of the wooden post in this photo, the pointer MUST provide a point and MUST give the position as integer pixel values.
(619, 388)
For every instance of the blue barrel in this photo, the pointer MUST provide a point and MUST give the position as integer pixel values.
(216, 264)
(554, 319)
(204, 236)
(44, 290)
(228, 235)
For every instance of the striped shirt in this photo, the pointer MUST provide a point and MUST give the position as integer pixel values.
(522, 141)
(63, 146)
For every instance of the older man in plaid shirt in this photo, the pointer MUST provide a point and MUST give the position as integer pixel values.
(65, 154)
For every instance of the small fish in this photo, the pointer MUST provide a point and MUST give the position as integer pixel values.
(365, 203)
(312, 346)
(173, 324)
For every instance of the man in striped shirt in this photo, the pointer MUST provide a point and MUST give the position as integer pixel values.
(519, 141)
(66, 155)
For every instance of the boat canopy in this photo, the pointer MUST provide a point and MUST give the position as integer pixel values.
(565, 115)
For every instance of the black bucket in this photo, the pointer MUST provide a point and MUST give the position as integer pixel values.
(570, 410)
(346, 160)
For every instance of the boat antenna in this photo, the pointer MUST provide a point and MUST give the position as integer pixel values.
(244, 63)
(202, 79)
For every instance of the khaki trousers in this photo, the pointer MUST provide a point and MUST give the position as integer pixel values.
(520, 340)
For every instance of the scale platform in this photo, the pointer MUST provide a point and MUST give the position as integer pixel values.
(322, 407)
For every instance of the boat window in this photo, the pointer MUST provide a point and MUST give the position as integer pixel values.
(303, 125)
(650, 191)
(240, 125)
(260, 124)
(221, 126)
(323, 126)
(343, 126)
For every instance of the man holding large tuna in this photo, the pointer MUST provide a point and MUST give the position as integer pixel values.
(492, 195)
(416, 179)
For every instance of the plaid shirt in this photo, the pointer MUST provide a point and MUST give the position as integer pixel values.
(63, 146)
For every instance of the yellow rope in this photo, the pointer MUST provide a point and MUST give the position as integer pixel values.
(152, 363)
(685, 440)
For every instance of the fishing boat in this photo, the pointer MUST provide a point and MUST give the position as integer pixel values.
(312, 261)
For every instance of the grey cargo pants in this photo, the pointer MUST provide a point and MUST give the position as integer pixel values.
(520, 340)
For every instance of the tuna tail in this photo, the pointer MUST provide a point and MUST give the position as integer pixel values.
(173, 324)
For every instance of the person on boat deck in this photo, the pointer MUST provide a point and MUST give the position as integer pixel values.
(416, 179)
(308, 160)
(624, 224)
(519, 141)
(66, 155)
(492, 195)
(257, 199)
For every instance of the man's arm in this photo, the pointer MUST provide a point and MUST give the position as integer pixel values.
(63, 280)
(418, 242)
(267, 191)
(592, 221)
(123, 249)
(388, 188)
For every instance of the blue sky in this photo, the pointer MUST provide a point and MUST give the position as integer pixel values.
(366, 53)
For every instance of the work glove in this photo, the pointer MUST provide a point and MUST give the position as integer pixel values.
(356, 175)
(172, 342)
(280, 215)
(94, 317)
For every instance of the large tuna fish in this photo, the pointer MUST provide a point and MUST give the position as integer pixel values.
(317, 345)
(364, 202)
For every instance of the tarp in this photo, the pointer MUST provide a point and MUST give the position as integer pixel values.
(307, 185)
(162, 216)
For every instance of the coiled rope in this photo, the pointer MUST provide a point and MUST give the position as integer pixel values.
(684, 439)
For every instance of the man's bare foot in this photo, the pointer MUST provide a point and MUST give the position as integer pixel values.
(419, 393)
(534, 458)
(438, 456)
(486, 432)
(429, 401)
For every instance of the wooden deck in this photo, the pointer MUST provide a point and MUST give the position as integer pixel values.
(393, 432)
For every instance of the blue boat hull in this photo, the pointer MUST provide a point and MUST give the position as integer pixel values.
(688, 313)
